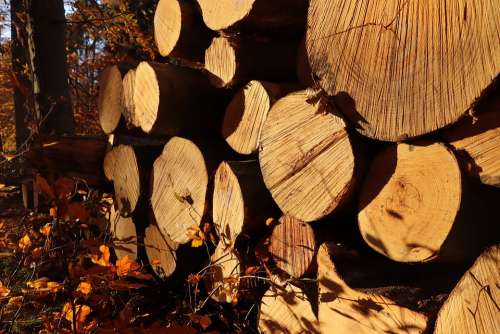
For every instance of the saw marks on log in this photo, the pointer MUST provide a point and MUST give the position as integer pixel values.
(404, 68)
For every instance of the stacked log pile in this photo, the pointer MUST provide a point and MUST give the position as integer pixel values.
(277, 118)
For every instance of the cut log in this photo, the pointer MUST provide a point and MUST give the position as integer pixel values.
(286, 309)
(161, 252)
(264, 14)
(124, 235)
(172, 100)
(343, 310)
(410, 201)
(129, 167)
(129, 111)
(241, 202)
(477, 141)
(110, 100)
(473, 305)
(403, 69)
(233, 61)
(292, 246)
(222, 279)
(306, 157)
(180, 31)
(246, 113)
(72, 156)
(179, 186)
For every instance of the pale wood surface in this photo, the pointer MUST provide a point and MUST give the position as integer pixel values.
(410, 201)
(404, 68)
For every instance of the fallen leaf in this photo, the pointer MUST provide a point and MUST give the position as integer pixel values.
(203, 320)
(37, 252)
(53, 212)
(46, 229)
(125, 265)
(103, 259)
(84, 288)
(25, 243)
(9, 157)
(4, 291)
(16, 301)
(196, 236)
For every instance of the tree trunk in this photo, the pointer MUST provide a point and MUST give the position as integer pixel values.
(472, 306)
(233, 61)
(22, 87)
(292, 246)
(402, 69)
(173, 100)
(51, 66)
(343, 310)
(306, 156)
(246, 113)
(180, 31)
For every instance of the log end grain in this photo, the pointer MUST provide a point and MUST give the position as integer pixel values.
(286, 309)
(221, 14)
(245, 115)
(306, 157)
(345, 310)
(292, 246)
(179, 187)
(398, 81)
(161, 251)
(220, 62)
(124, 235)
(146, 96)
(129, 111)
(167, 25)
(472, 306)
(121, 167)
(109, 102)
(410, 201)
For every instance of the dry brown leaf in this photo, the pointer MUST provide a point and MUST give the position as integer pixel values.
(25, 243)
(103, 259)
(4, 291)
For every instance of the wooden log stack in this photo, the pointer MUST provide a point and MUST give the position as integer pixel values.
(258, 122)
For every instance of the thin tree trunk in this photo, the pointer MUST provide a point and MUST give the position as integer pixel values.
(22, 83)
(51, 66)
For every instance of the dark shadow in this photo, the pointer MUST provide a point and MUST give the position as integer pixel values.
(234, 114)
(347, 106)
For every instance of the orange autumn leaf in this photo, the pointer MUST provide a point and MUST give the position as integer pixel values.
(203, 320)
(125, 265)
(4, 291)
(25, 243)
(9, 157)
(84, 288)
(15, 301)
(43, 285)
(103, 259)
(45, 230)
